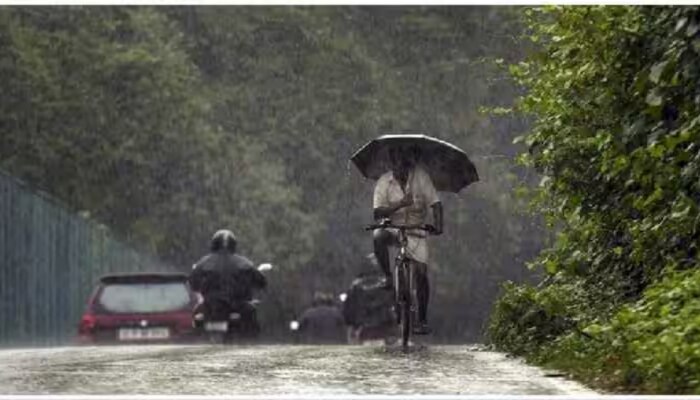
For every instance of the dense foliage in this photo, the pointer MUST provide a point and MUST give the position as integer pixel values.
(613, 94)
(103, 108)
(168, 123)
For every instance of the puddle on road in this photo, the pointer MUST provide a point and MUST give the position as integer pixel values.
(272, 370)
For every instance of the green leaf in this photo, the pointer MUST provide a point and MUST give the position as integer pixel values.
(681, 23)
(657, 150)
(656, 71)
(654, 98)
(551, 267)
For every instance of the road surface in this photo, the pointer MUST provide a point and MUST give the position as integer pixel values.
(276, 370)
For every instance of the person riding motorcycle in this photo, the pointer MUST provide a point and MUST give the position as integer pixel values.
(368, 307)
(323, 322)
(227, 280)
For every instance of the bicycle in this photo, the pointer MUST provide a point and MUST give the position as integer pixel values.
(404, 280)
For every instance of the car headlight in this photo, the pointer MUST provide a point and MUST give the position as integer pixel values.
(294, 325)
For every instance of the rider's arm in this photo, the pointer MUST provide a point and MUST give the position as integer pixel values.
(259, 280)
(437, 217)
(387, 211)
(383, 208)
(195, 282)
(253, 276)
(195, 277)
(427, 189)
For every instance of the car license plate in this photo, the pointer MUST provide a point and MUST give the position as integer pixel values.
(143, 334)
(219, 326)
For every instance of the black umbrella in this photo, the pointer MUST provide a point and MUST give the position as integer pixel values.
(448, 165)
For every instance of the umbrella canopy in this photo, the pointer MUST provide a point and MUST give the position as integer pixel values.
(448, 165)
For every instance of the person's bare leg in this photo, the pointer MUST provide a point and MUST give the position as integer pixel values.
(382, 240)
(423, 296)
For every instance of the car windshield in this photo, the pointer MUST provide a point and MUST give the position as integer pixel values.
(144, 297)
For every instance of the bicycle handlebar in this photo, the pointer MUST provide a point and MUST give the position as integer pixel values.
(422, 227)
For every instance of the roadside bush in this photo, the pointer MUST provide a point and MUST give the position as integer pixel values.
(651, 346)
(506, 330)
(658, 338)
(524, 318)
(583, 357)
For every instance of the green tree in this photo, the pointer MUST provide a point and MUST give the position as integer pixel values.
(314, 84)
(104, 109)
(612, 93)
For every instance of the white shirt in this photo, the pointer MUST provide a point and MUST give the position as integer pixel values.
(388, 190)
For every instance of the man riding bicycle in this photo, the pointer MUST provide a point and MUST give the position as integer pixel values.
(405, 194)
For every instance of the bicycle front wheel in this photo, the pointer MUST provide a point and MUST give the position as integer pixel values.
(405, 306)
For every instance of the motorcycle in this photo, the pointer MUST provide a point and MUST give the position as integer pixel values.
(369, 313)
(220, 321)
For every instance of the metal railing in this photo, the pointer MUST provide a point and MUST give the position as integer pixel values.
(50, 258)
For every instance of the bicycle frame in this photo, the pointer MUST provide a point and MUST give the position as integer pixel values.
(405, 293)
(402, 261)
(404, 282)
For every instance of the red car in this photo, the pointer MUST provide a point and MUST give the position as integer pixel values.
(143, 307)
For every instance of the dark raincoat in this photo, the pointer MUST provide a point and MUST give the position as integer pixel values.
(226, 276)
(368, 304)
(322, 323)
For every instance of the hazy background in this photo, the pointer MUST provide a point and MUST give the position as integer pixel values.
(168, 123)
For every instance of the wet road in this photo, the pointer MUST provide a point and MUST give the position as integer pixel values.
(278, 369)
